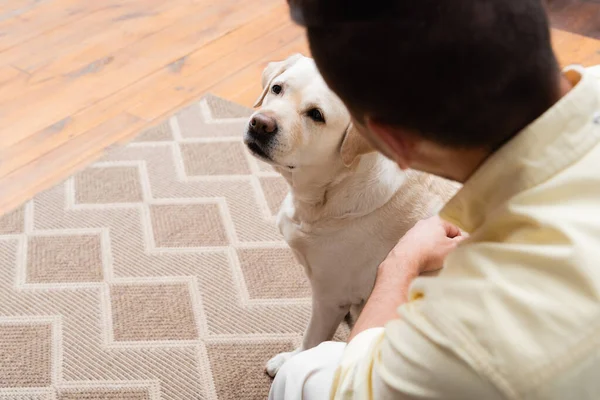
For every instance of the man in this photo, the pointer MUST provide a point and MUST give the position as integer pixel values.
(469, 90)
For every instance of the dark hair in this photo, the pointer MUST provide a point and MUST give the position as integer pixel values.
(462, 73)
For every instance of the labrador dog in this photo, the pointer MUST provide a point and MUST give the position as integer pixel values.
(347, 205)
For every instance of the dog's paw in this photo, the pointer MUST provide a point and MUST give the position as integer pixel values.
(275, 363)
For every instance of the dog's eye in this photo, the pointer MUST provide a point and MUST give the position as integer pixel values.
(315, 115)
(276, 89)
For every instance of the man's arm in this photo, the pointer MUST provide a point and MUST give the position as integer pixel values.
(401, 361)
(389, 293)
(421, 250)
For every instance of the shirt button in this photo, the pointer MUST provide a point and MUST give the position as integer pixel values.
(597, 118)
(416, 296)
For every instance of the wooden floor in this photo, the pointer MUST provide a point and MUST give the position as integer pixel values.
(77, 76)
(578, 16)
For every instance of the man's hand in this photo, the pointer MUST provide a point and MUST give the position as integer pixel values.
(424, 247)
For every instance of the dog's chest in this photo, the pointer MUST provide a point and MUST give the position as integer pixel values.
(292, 230)
(339, 250)
(297, 232)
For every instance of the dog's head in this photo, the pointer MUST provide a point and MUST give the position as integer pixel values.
(301, 122)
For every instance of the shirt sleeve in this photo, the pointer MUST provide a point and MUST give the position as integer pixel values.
(403, 362)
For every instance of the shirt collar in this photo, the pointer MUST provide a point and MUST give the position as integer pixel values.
(551, 143)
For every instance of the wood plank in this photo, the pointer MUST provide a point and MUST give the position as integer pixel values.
(47, 15)
(10, 9)
(75, 90)
(9, 74)
(64, 130)
(572, 48)
(113, 27)
(56, 46)
(577, 16)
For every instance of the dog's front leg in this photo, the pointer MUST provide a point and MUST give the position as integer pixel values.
(324, 321)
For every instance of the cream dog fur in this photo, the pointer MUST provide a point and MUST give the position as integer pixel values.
(347, 206)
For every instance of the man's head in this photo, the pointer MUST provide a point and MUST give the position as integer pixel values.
(461, 74)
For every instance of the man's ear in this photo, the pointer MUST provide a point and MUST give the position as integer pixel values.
(400, 143)
(353, 146)
(272, 71)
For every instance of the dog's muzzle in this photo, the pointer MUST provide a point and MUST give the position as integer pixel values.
(262, 128)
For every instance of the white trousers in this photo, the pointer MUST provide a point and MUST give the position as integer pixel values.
(308, 375)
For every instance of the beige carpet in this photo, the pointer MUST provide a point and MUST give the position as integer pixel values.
(156, 273)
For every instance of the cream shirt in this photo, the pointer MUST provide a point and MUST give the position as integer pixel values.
(515, 314)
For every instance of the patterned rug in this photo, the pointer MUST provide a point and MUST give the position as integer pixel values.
(156, 273)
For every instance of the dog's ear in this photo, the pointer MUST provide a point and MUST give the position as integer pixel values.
(272, 71)
(353, 146)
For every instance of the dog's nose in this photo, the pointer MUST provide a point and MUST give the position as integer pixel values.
(263, 124)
